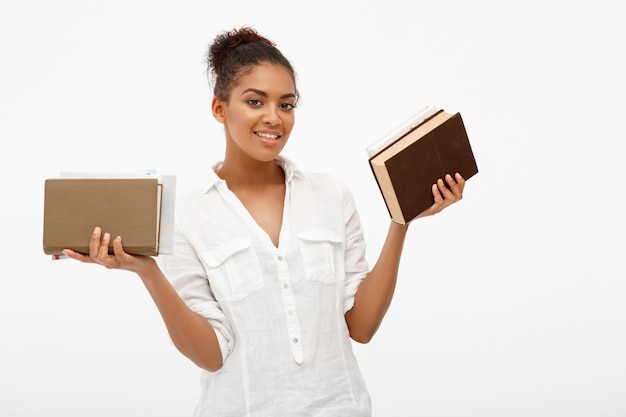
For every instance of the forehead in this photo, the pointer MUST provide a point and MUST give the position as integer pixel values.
(267, 77)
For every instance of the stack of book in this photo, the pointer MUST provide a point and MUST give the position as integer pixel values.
(140, 209)
(411, 158)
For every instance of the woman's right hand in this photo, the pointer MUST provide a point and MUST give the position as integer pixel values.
(99, 254)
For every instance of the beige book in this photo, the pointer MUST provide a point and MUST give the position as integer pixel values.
(126, 207)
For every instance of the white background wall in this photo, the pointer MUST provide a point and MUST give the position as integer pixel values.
(511, 303)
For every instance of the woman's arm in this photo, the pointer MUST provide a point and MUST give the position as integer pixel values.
(191, 333)
(376, 290)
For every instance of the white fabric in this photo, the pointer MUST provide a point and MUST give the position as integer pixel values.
(278, 312)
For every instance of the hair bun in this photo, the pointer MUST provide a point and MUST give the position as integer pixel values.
(234, 52)
(245, 35)
(226, 42)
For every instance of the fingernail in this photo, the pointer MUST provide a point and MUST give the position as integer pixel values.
(96, 230)
(106, 236)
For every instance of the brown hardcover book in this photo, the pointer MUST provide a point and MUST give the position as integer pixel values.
(431, 145)
(127, 207)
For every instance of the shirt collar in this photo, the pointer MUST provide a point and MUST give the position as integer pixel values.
(290, 169)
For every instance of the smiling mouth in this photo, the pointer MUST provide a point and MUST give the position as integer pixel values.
(267, 136)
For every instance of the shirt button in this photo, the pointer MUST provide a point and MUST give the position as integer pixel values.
(285, 286)
(279, 257)
(295, 340)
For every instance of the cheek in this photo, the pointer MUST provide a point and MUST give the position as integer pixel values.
(235, 118)
(289, 123)
(238, 122)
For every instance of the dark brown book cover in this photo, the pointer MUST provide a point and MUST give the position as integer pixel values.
(407, 168)
(127, 207)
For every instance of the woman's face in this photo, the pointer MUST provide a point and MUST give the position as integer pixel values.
(259, 114)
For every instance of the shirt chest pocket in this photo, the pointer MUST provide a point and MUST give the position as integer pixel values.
(233, 269)
(322, 251)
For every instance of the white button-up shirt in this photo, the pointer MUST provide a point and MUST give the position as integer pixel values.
(278, 312)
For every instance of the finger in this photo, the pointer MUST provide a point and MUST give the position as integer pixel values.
(78, 256)
(437, 191)
(103, 252)
(454, 191)
(94, 243)
(445, 192)
(460, 181)
(118, 248)
(456, 186)
(438, 200)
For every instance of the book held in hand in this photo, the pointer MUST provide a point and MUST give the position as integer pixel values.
(139, 209)
(410, 159)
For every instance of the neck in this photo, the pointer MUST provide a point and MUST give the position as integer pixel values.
(251, 173)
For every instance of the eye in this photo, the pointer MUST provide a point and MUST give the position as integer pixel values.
(287, 106)
(255, 102)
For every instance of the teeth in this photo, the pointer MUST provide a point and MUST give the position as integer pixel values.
(267, 136)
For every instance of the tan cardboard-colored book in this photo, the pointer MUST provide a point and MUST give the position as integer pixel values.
(127, 207)
(408, 161)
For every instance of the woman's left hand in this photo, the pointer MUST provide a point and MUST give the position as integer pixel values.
(445, 196)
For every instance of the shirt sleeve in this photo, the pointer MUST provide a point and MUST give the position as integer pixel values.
(356, 266)
(185, 272)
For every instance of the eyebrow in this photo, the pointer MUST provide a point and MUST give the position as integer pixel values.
(264, 94)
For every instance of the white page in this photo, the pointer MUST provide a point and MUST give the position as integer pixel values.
(401, 130)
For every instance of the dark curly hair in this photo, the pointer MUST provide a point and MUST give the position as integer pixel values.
(234, 53)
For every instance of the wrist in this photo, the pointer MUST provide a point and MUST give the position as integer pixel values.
(402, 227)
(147, 269)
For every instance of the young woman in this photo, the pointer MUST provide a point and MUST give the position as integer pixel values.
(268, 282)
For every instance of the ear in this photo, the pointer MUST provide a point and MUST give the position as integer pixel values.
(218, 108)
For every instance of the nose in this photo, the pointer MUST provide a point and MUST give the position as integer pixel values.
(271, 116)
